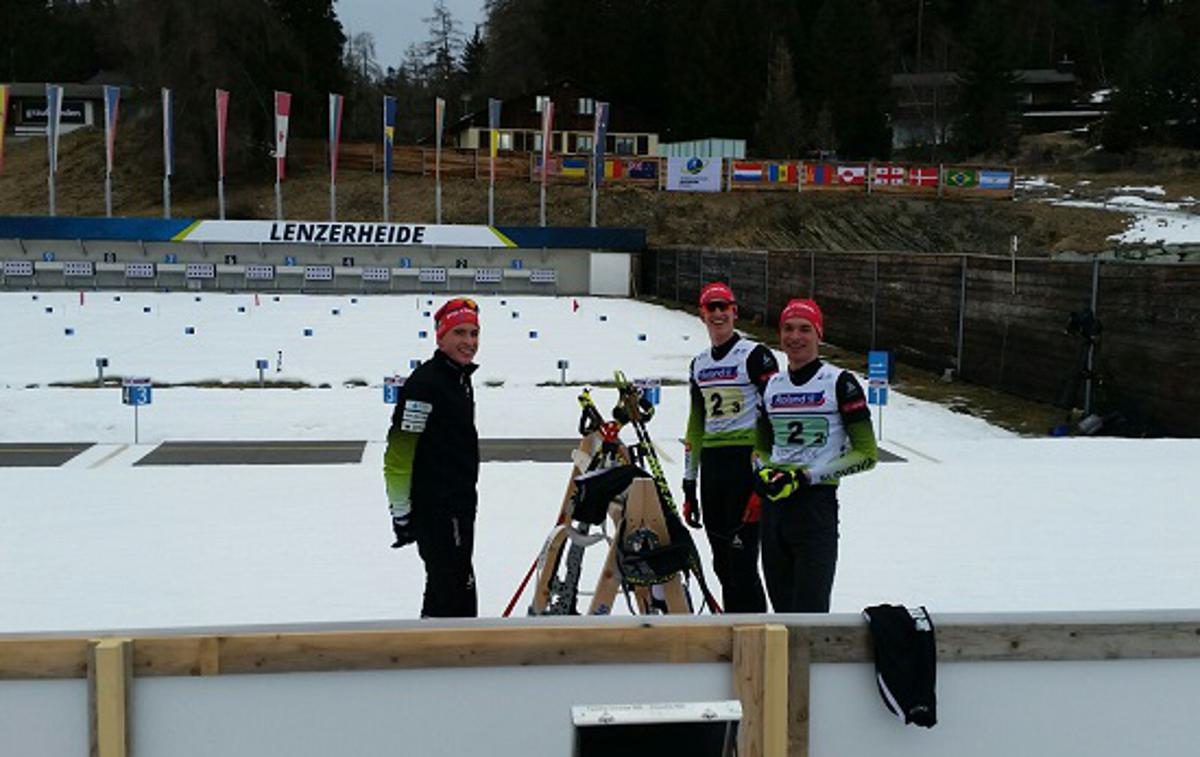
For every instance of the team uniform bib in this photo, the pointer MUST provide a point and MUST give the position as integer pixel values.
(730, 397)
(806, 427)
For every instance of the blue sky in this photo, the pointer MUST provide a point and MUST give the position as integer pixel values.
(396, 24)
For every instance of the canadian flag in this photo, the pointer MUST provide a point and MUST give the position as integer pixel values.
(852, 174)
(283, 109)
(923, 176)
(889, 175)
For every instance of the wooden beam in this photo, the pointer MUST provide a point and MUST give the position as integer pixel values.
(24, 659)
(760, 679)
(110, 684)
(445, 647)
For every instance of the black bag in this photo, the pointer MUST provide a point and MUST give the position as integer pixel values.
(595, 489)
(905, 661)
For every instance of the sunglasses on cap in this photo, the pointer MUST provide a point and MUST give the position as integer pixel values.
(717, 305)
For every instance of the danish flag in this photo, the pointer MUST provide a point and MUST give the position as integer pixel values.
(923, 176)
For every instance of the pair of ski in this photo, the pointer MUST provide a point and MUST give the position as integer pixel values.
(639, 512)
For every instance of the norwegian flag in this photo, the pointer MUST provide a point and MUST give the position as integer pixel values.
(852, 174)
(283, 109)
(923, 176)
(889, 175)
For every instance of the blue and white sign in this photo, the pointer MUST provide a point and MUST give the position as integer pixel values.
(135, 391)
(878, 370)
(391, 389)
(261, 365)
(651, 389)
(289, 260)
(406, 262)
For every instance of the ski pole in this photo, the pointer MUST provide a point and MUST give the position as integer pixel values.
(520, 589)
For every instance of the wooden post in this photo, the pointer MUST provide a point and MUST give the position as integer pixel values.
(799, 662)
(760, 680)
(110, 677)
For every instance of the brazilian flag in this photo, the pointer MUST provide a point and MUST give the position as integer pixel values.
(962, 177)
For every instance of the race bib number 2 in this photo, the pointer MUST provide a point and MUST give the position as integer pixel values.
(806, 431)
(724, 402)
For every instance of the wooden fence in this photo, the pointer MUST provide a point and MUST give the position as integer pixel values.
(771, 661)
(996, 321)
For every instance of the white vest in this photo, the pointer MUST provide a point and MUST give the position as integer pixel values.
(806, 427)
(730, 397)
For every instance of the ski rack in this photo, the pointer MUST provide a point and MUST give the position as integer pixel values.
(642, 507)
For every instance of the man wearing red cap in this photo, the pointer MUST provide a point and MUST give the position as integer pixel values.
(431, 465)
(814, 429)
(726, 381)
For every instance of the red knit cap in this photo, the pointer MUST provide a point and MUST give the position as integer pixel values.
(806, 309)
(718, 291)
(456, 311)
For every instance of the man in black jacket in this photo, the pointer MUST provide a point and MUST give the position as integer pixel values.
(431, 466)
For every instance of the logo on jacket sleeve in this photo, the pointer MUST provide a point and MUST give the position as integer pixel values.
(416, 415)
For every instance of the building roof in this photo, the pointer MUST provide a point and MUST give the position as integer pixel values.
(1034, 76)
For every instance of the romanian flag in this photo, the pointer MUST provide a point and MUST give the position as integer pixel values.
(283, 110)
(576, 167)
(614, 168)
(389, 134)
(3, 121)
(494, 126)
(112, 104)
(747, 172)
(222, 121)
(781, 173)
(818, 173)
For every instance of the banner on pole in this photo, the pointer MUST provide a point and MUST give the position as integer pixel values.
(693, 174)
(54, 94)
(494, 126)
(389, 134)
(547, 135)
(222, 120)
(112, 105)
(283, 109)
(439, 120)
(599, 136)
(3, 121)
(335, 133)
(168, 134)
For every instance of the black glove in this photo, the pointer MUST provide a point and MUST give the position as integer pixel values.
(779, 483)
(403, 529)
(691, 503)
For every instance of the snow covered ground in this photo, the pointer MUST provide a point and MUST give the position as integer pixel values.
(1152, 218)
(977, 519)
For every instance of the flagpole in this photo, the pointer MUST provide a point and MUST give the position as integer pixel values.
(167, 196)
(107, 194)
(439, 118)
(278, 201)
(594, 192)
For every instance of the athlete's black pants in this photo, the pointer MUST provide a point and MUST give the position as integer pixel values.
(726, 483)
(445, 541)
(800, 549)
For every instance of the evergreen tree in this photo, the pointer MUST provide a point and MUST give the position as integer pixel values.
(987, 98)
(777, 134)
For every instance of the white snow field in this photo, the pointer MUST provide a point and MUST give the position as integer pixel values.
(976, 520)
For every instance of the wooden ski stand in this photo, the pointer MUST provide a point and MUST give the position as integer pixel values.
(552, 551)
(644, 510)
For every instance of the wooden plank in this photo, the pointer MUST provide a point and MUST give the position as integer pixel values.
(445, 647)
(760, 680)
(799, 683)
(1028, 642)
(110, 684)
(25, 659)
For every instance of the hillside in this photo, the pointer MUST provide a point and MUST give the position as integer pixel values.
(742, 219)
